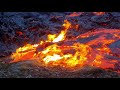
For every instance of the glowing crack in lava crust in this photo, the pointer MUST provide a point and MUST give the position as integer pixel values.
(72, 53)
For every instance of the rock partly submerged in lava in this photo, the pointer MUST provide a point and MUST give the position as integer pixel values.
(115, 44)
(115, 47)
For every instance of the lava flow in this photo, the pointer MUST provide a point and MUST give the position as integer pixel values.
(91, 48)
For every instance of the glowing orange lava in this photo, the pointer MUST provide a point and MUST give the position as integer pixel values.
(75, 14)
(55, 52)
(99, 13)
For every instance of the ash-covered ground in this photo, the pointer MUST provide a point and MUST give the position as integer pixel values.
(20, 28)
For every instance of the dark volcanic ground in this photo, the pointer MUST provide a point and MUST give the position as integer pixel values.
(19, 28)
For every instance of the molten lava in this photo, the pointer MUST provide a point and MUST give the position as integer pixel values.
(99, 13)
(75, 14)
(59, 51)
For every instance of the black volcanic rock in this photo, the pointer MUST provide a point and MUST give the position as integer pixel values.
(115, 44)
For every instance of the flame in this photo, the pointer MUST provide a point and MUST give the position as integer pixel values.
(52, 53)
(61, 36)
(55, 52)
(26, 52)
(55, 57)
